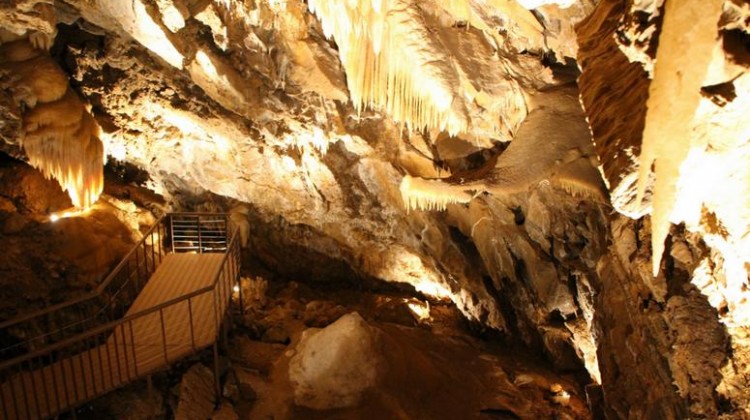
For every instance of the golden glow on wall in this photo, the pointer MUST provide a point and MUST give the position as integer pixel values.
(60, 137)
(72, 156)
(389, 62)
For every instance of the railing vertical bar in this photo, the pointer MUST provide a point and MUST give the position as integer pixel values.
(22, 377)
(200, 237)
(14, 396)
(171, 227)
(132, 343)
(192, 330)
(158, 241)
(217, 384)
(5, 403)
(52, 364)
(117, 357)
(125, 350)
(138, 265)
(44, 386)
(102, 376)
(109, 364)
(90, 352)
(153, 253)
(127, 266)
(25, 394)
(65, 384)
(216, 314)
(220, 288)
(34, 389)
(75, 381)
(83, 375)
(163, 335)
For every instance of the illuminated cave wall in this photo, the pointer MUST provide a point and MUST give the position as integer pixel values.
(57, 133)
(326, 119)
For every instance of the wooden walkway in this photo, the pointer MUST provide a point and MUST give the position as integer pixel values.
(132, 349)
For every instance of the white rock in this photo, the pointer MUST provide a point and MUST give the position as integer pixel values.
(334, 366)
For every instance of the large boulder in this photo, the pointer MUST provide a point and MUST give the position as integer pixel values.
(333, 367)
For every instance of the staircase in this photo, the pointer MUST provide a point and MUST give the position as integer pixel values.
(167, 299)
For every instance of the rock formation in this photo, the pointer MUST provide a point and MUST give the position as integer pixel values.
(610, 234)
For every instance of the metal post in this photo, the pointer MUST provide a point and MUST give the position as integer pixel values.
(117, 357)
(132, 344)
(4, 402)
(34, 388)
(90, 352)
(242, 304)
(163, 335)
(83, 374)
(125, 350)
(153, 252)
(74, 382)
(190, 315)
(171, 228)
(54, 383)
(200, 237)
(217, 379)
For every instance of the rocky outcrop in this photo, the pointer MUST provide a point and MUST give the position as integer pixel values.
(613, 93)
(696, 174)
(334, 367)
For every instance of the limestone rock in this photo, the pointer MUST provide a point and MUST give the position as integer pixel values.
(335, 366)
(197, 394)
(614, 92)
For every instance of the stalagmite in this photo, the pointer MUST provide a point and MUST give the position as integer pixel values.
(60, 137)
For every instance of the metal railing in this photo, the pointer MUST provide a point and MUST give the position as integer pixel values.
(107, 302)
(91, 356)
(199, 233)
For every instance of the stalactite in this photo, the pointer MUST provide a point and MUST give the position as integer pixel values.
(73, 155)
(424, 194)
(388, 61)
(60, 137)
(552, 146)
(674, 96)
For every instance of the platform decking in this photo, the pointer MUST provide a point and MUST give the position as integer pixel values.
(142, 344)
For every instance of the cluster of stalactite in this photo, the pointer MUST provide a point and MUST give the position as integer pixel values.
(60, 136)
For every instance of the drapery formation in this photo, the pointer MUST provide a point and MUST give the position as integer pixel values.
(392, 62)
(60, 137)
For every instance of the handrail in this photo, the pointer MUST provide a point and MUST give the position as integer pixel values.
(92, 295)
(133, 271)
(140, 314)
(57, 360)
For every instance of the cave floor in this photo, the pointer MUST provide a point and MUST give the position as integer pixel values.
(438, 366)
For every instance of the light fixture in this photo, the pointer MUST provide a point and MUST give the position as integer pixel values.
(54, 217)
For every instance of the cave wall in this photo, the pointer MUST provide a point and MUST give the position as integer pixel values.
(687, 322)
(248, 101)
